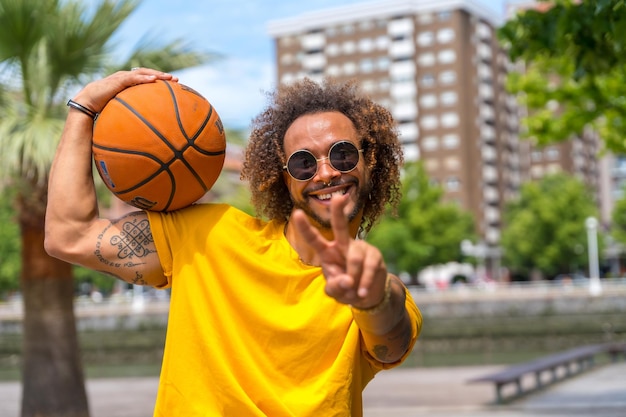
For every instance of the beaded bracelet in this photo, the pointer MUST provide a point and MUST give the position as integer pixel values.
(71, 103)
(380, 306)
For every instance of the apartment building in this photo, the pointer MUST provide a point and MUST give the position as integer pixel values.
(437, 67)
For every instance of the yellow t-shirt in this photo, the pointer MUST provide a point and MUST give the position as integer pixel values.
(251, 331)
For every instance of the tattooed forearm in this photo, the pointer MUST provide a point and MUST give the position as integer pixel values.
(131, 244)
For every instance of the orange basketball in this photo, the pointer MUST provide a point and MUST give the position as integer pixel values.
(159, 146)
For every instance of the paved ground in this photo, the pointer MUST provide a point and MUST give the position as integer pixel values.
(415, 392)
(443, 392)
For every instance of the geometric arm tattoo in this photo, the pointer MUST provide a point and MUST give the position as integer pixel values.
(132, 243)
(133, 240)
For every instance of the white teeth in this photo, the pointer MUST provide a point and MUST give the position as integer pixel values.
(328, 196)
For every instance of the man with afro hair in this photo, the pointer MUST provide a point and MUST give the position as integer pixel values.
(290, 313)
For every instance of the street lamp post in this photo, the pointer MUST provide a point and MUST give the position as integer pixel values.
(595, 287)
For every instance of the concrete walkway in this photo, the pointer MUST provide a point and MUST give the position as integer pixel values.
(405, 392)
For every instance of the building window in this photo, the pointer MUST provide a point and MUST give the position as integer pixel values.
(425, 38)
(483, 31)
(448, 98)
(287, 59)
(384, 84)
(430, 143)
(445, 35)
(452, 163)
(368, 86)
(349, 47)
(425, 18)
(444, 15)
(366, 45)
(447, 56)
(332, 49)
(347, 29)
(287, 78)
(366, 25)
(552, 154)
(450, 120)
(429, 122)
(426, 60)
(428, 101)
(453, 184)
(383, 63)
(382, 42)
(447, 77)
(400, 28)
(333, 70)
(286, 41)
(450, 141)
(349, 68)
(427, 80)
(366, 66)
(553, 168)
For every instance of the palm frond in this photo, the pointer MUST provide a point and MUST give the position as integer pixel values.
(151, 53)
(22, 24)
(28, 141)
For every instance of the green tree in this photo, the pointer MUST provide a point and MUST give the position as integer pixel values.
(574, 73)
(9, 245)
(425, 231)
(545, 226)
(47, 48)
(618, 220)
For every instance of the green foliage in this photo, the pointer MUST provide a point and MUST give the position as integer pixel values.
(574, 69)
(426, 231)
(10, 245)
(49, 47)
(94, 280)
(618, 224)
(545, 226)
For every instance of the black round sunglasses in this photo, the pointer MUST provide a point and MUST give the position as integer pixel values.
(343, 156)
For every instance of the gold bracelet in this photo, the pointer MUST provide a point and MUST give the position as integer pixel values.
(380, 306)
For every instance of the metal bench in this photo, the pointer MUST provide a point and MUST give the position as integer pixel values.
(559, 366)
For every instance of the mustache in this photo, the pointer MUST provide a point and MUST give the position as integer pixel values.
(318, 187)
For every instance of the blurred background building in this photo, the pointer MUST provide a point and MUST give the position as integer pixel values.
(438, 67)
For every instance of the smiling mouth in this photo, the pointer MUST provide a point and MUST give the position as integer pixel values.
(326, 196)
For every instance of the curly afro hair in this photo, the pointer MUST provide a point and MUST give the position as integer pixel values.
(265, 156)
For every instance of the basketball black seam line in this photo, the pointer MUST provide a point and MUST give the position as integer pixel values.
(190, 140)
(163, 166)
(164, 139)
(113, 149)
(150, 178)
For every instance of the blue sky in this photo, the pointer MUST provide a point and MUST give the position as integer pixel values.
(237, 29)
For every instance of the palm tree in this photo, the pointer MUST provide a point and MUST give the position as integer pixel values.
(47, 49)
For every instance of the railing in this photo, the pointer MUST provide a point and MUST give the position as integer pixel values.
(141, 303)
(610, 286)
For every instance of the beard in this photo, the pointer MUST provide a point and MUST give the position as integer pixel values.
(363, 196)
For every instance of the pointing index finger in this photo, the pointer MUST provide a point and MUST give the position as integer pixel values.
(339, 221)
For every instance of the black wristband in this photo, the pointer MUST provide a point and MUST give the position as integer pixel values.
(71, 103)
